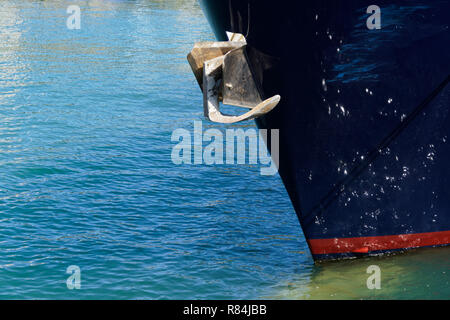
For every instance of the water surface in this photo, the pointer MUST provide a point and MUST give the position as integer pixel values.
(86, 177)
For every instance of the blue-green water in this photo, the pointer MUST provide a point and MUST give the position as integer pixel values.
(86, 176)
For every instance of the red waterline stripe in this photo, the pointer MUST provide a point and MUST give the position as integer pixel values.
(367, 244)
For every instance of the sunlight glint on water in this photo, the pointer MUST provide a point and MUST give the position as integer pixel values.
(86, 176)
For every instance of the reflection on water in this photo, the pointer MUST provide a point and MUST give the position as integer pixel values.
(418, 274)
(86, 176)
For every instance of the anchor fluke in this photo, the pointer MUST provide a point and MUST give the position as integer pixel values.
(224, 74)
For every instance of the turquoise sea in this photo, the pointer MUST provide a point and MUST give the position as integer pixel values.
(86, 176)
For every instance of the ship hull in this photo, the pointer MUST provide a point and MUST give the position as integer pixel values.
(364, 116)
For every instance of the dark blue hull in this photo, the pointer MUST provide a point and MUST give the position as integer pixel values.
(364, 116)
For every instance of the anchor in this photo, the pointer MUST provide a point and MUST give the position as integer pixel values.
(224, 75)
